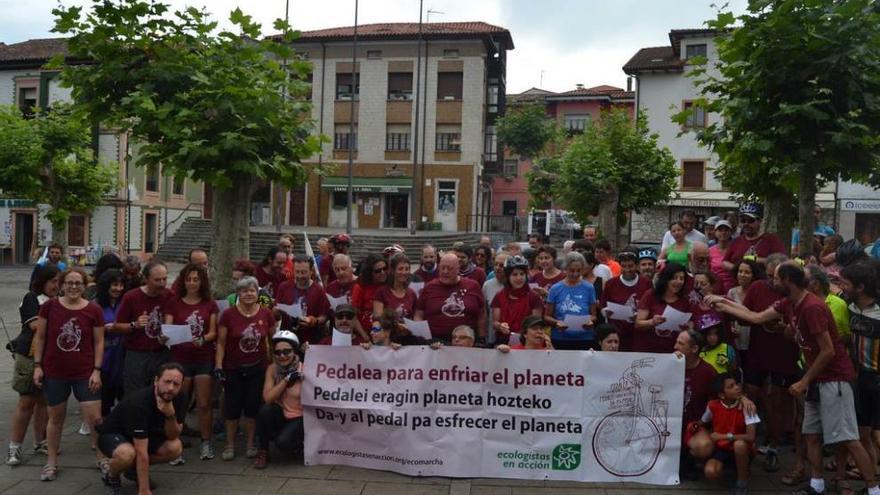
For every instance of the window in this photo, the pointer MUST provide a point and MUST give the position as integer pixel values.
(152, 182)
(344, 88)
(397, 138)
(340, 200)
(511, 167)
(374, 54)
(446, 196)
(448, 138)
(343, 139)
(177, 186)
(400, 85)
(490, 144)
(696, 118)
(698, 50)
(449, 85)
(492, 98)
(450, 53)
(692, 176)
(27, 100)
(76, 230)
(150, 233)
(576, 122)
(508, 208)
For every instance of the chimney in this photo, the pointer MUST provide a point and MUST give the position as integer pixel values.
(629, 83)
(579, 86)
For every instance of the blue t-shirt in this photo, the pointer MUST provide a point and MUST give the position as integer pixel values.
(568, 300)
(796, 233)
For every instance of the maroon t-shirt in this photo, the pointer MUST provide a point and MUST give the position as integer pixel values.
(544, 282)
(762, 246)
(198, 317)
(810, 319)
(655, 340)
(769, 349)
(448, 306)
(313, 301)
(514, 311)
(135, 303)
(427, 276)
(697, 391)
(325, 268)
(336, 289)
(404, 306)
(619, 293)
(246, 337)
(269, 281)
(69, 348)
(478, 275)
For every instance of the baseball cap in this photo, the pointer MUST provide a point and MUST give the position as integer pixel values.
(712, 220)
(723, 223)
(531, 321)
(345, 308)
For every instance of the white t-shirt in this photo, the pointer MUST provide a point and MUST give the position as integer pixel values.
(693, 236)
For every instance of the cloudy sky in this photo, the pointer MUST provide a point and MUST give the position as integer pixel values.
(559, 43)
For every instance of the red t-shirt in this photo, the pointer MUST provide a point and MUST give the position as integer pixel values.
(478, 275)
(544, 282)
(514, 311)
(769, 350)
(269, 281)
(198, 317)
(246, 337)
(135, 303)
(404, 306)
(810, 319)
(427, 276)
(697, 391)
(336, 289)
(448, 306)
(325, 268)
(362, 297)
(69, 348)
(725, 420)
(654, 340)
(313, 302)
(619, 293)
(762, 246)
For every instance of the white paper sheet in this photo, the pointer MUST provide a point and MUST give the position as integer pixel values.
(418, 328)
(222, 304)
(515, 339)
(576, 322)
(340, 338)
(336, 301)
(294, 310)
(533, 286)
(674, 319)
(177, 334)
(614, 311)
(417, 287)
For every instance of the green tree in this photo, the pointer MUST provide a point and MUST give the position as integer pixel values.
(615, 167)
(218, 107)
(796, 88)
(48, 159)
(526, 130)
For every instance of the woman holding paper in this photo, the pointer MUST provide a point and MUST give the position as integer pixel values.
(571, 307)
(397, 295)
(372, 277)
(390, 332)
(515, 302)
(240, 362)
(664, 312)
(192, 305)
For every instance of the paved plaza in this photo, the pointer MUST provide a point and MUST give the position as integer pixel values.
(78, 473)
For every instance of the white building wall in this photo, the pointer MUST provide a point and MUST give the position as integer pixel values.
(371, 110)
(5, 226)
(102, 226)
(135, 229)
(45, 233)
(473, 110)
(7, 84)
(58, 93)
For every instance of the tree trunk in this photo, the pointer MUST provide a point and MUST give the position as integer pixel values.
(59, 236)
(807, 189)
(779, 215)
(231, 231)
(608, 216)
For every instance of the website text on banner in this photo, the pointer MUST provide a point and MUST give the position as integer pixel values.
(479, 413)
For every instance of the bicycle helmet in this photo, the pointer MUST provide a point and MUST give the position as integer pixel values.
(648, 253)
(392, 250)
(340, 239)
(286, 336)
(514, 262)
(850, 252)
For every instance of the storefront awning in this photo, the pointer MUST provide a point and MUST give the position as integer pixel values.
(369, 184)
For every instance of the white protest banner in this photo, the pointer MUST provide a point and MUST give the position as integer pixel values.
(457, 412)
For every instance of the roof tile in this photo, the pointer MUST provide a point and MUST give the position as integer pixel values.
(654, 58)
(37, 49)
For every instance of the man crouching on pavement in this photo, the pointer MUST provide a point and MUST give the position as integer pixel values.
(143, 429)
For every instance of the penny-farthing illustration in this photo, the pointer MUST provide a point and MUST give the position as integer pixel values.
(628, 440)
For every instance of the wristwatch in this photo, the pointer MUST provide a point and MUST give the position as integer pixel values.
(730, 437)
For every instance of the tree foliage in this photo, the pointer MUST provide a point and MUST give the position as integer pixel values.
(614, 167)
(797, 87)
(49, 159)
(526, 130)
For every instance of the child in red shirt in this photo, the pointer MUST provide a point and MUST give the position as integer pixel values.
(733, 433)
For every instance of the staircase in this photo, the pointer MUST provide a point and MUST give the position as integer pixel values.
(196, 233)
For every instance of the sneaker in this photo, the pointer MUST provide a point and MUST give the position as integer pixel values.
(741, 488)
(771, 461)
(228, 454)
(112, 484)
(206, 451)
(177, 462)
(763, 449)
(132, 475)
(84, 429)
(13, 457)
(251, 452)
(41, 447)
(262, 459)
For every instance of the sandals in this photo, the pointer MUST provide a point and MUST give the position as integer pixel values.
(49, 472)
(795, 477)
(251, 452)
(228, 454)
(840, 487)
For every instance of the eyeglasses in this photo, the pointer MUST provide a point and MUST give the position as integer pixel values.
(73, 284)
(282, 352)
(380, 270)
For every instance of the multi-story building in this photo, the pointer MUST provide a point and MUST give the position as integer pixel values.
(663, 88)
(573, 110)
(459, 93)
(145, 210)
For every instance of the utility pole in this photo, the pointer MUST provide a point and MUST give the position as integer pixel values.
(354, 93)
(416, 175)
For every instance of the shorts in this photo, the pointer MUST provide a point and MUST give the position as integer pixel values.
(867, 399)
(57, 391)
(191, 370)
(23, 376)
(834, 416)
(757, 378)
(727, 457)
(107, 443)
(139, 368)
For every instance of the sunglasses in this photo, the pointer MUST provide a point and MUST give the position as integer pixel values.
(380, 270)
(344, 316)
(282, 352)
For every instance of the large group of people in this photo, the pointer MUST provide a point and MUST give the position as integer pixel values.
(796, 340)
